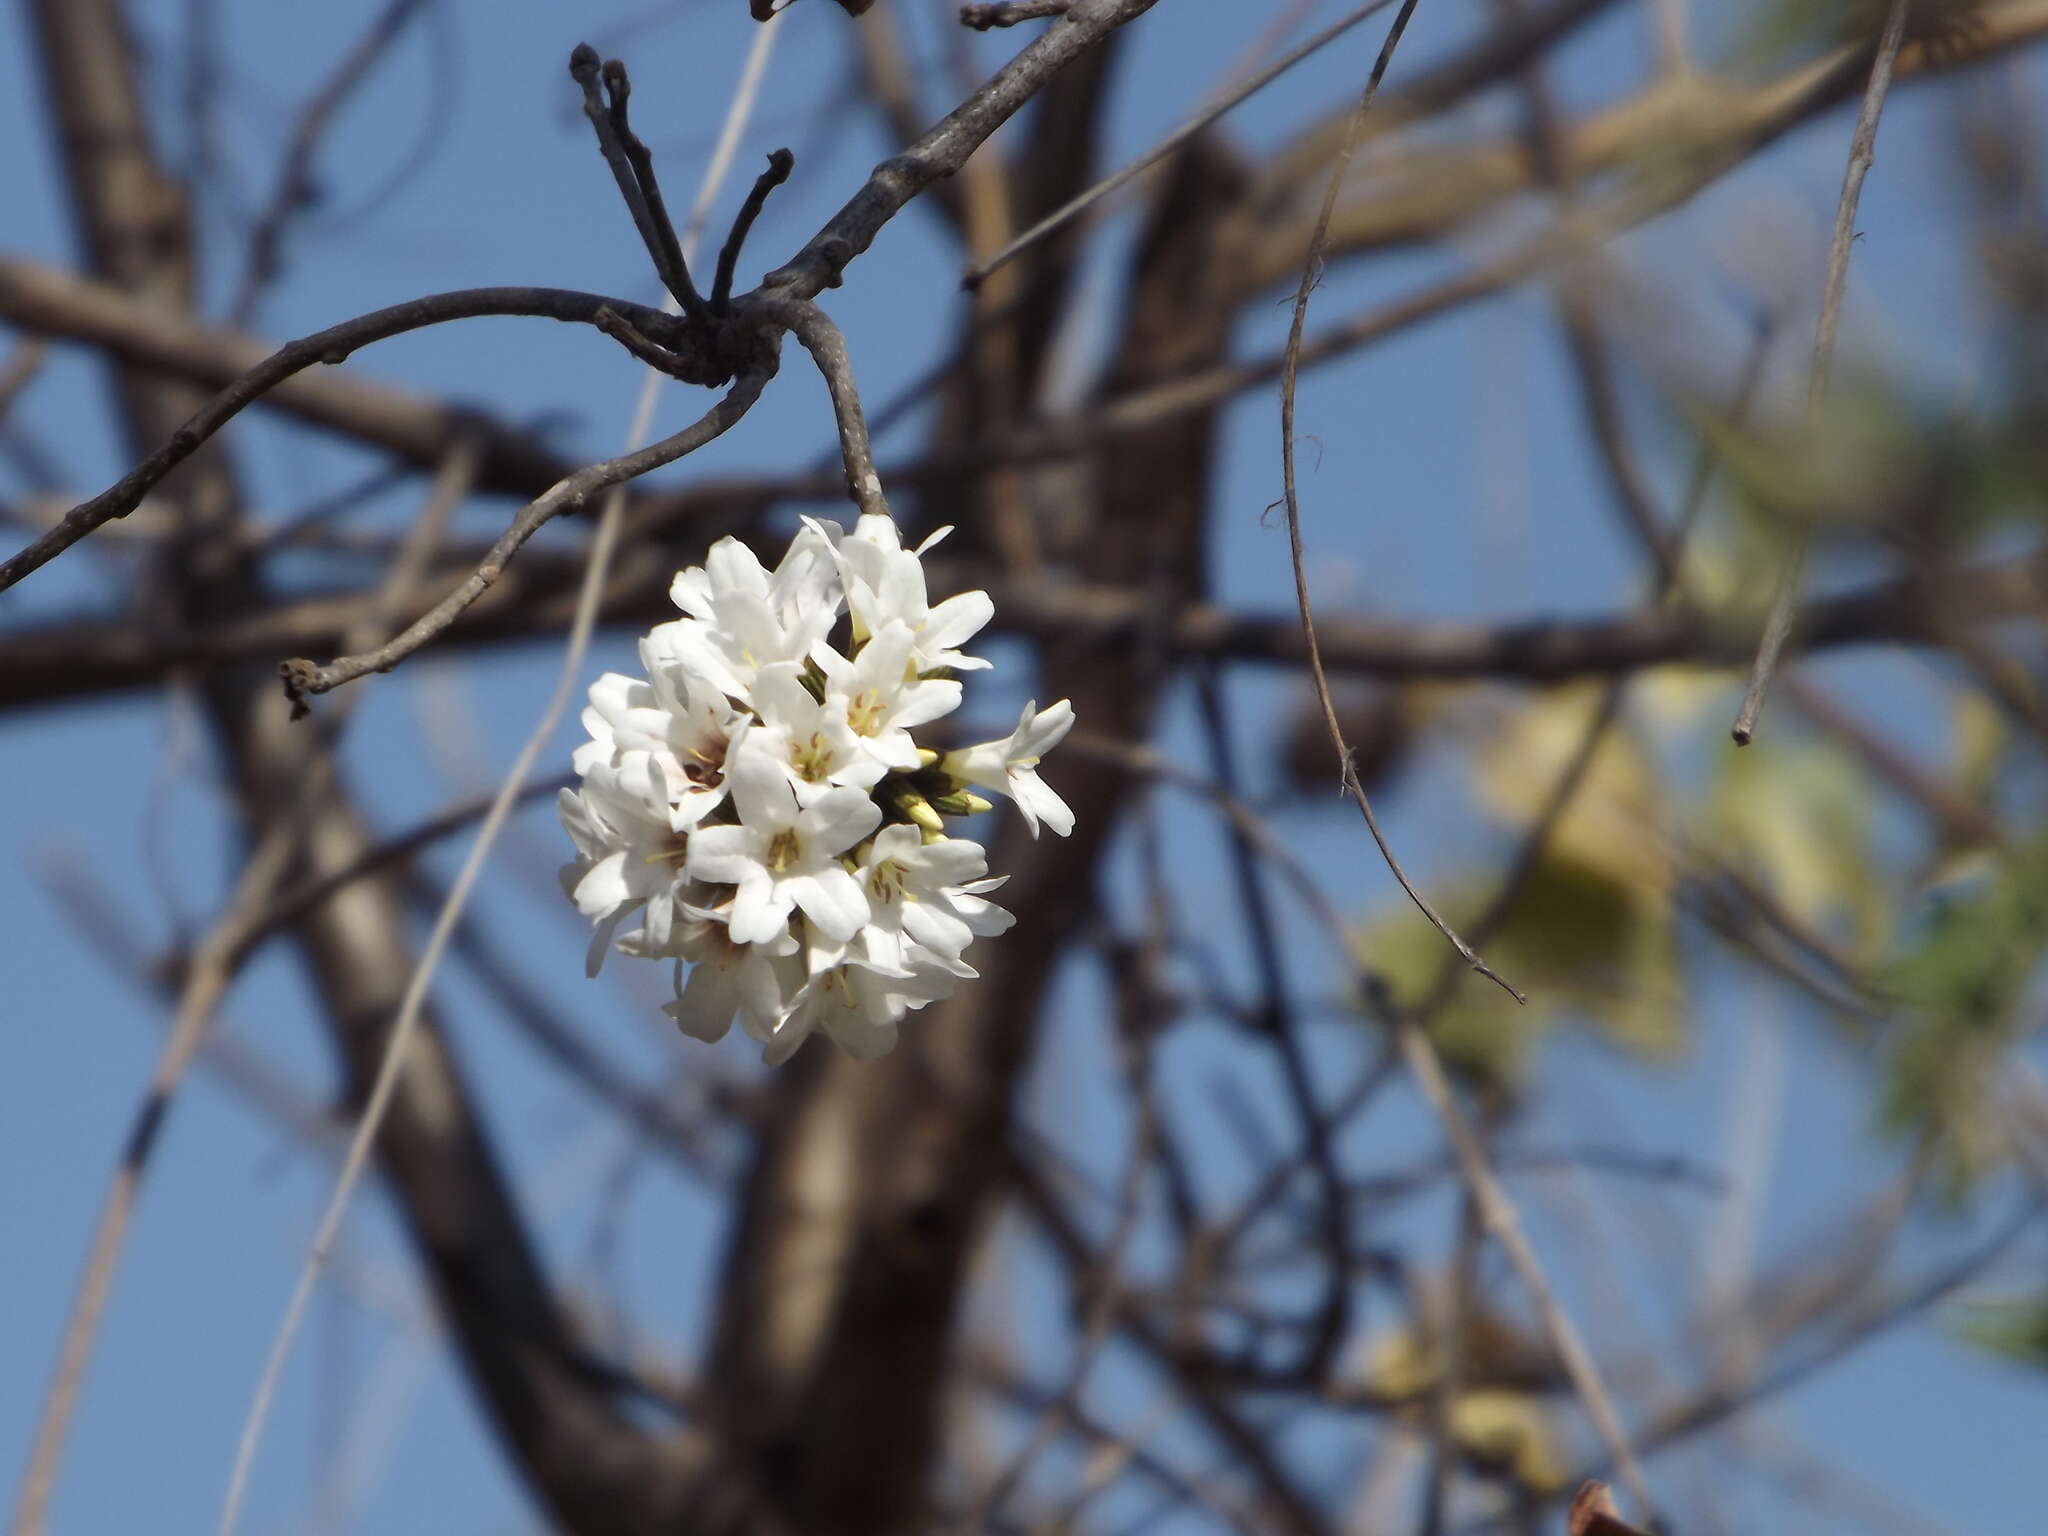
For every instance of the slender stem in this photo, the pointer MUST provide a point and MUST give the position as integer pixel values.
(213, 966)
(331, 347)
(304, 678)
(589, 599)
(633, 172)
(780, 163)
(1862, 151)
(1290, 367)
(1229, 100)
(619, 89)
(822, 339)
(295, 185)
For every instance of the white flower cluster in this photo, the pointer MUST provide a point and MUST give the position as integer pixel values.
(759, 799)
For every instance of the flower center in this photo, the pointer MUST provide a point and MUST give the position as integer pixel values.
(864, 712)
(784, 850)
(673, 852)
(703, 765)
(812, 759)
(885, 880)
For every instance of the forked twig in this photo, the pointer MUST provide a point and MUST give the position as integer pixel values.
(632, 167)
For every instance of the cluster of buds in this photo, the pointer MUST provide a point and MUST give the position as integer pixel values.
(759, 801)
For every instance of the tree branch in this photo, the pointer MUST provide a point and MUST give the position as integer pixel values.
(303, 679)
(331, 347)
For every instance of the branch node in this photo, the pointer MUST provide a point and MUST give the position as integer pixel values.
(301, 678)
(1008, 13)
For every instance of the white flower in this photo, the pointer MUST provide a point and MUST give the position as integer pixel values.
(811, 737)
(857, 1006)
(881, 697)
(784, 855)
(734, 798)
(1010, 766)
(684, 730)
(885, 581)
(742, 619)
(924, 901)
(756, 981)
(805, 583)
(630, 857)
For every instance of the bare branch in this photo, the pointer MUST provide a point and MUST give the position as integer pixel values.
(946, 148)
(1010, 13)
(330, 347)
(1228, 101)
(1290, 367)
(780, 163)
(67, 659)
(295, 188)
(632, 167)
(1862, 151)
(822, 339)
(302, 678)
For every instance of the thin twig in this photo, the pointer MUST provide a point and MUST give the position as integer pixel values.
(296, 901)
(1416, 1048)
(295, 188)
(589, 597)
(1290, 367)
(744, 391)
(780, 163)
(1333, 1313)
(1451, 1364)
(947, 147)
(632, 168)
(1492, 1201)
(1504, 1225)
(331, 347)
(23, 363)
(1862, 151)
(1099, 1316)
(827, 346)
(205, 982)
(213, 966)
(976, 274)
(303, 678)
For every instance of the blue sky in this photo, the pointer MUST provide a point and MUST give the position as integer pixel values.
(1450, 480)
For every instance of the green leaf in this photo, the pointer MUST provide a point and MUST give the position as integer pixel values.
(2013, 1328)
(1965, 980)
